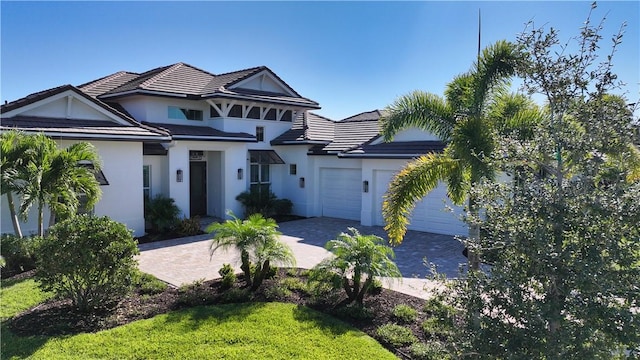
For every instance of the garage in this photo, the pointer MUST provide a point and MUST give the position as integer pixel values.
(430, 214)
(340, 193)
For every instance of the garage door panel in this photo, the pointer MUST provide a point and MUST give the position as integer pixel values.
(340, 193)
(431, 214)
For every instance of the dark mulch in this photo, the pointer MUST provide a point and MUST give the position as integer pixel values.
(58, 317)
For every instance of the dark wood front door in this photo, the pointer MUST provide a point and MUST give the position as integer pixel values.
(198, 188)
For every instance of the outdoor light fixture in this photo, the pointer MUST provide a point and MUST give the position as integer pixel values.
(240, 174)
(365, 186)
(301, 182)
(179, 175)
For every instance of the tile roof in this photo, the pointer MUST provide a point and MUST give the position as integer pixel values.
(202, 133)
(184, 80)
(307, 128)
(78, 128)
(396, 150)
(351, 132)
(107, 83)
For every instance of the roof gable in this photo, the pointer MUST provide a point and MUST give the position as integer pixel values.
(264, 81)
(64, 102)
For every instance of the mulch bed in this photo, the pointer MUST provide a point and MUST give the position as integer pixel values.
(57, 317)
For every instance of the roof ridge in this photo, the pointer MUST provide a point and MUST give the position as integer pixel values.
(361, 113)
(320, 116)
(247, 69)
(169, 69)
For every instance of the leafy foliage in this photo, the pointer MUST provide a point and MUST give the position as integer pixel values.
(87, 259)
(563, 234)
(189, 226)
(265, 203)
(228, 275)
(148, 284)
(396, 335)
(18, 253)
(405, 313)
(257, 240)
(162, 213)
(358, 259)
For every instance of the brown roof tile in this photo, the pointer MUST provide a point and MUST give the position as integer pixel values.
(307, 128)
(202, 133)
(107, 83)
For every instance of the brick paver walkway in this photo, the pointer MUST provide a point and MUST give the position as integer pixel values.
(185, 260)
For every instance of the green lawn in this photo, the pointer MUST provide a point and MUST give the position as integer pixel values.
(233, 331)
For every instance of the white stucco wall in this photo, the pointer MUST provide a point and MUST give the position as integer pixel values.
(159, 174)
(288, 186)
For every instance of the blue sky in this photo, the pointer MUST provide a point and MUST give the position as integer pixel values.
(349, 56)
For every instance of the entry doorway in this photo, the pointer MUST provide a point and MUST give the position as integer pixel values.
(198, 188)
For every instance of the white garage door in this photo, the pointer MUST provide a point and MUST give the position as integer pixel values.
(430, 215)
(340, 193)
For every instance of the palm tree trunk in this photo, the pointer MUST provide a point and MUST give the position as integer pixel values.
(14, 217)
(261, 274)
(246, 267)
(40, 218)
(52, 218)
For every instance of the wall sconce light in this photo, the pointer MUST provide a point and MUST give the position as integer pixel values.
(301, 182)
(179, 175)
(240, 171)
(365, 186)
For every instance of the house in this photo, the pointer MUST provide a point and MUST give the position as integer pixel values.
(202, 138)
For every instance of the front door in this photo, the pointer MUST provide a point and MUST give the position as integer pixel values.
(198, 188)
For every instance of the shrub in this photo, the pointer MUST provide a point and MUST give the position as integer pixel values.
(162, 213)
(18, 253)
(236, 295)
(294, 284)
(148, 284)
(195, 293)
(375, 288)
(189, 227)
(443, 313)
(429, 351)
(396, 335)
(228, 276)
(277, 292)
(355, 311)
(88, 259)
(436, 327)
(405, 313)
(265, 203)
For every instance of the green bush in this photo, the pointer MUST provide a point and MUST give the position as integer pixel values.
(195, 293)
(236, 295)
(148, 284)
(228, 276)
(430, 351)
(355, 311)
(396, 335)
(443, 316)
(375, 288)
(294, 284)
(18, 253)
(436, 328)
(264, 202)
(189, 227)
(162, 213)
(277, 292)
(405, 313)
(87, 259)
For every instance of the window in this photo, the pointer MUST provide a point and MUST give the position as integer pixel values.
(260, 178)
(287, 116)
(293, 169)
(213, 113)
(83, 208)
(260, 133)
(146, 182)
(184, 114)
(254, 113)
(270, 115)
(236, 111)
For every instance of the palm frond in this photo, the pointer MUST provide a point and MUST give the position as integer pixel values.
(496, 65)
(408, 187)
(419, 109)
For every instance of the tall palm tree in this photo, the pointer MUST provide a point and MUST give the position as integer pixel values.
(56, 177)
(13, 156)
(460, 119)
(256, 238)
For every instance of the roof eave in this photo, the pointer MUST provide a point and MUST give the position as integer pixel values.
(142, 92)
(213, 138)
(308, 105)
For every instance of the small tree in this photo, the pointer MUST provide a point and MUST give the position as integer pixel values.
(257, 239)
(563, 235)
(358, 260)
(87, 259)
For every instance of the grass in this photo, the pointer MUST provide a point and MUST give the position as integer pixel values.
(231, 331)
(18, 296)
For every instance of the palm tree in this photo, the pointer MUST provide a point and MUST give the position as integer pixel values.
(57, 177)
(13, 152)
(361, 257)
(460, 119)
(256, 238)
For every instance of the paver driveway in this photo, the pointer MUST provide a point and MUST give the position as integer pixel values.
(185, 260)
